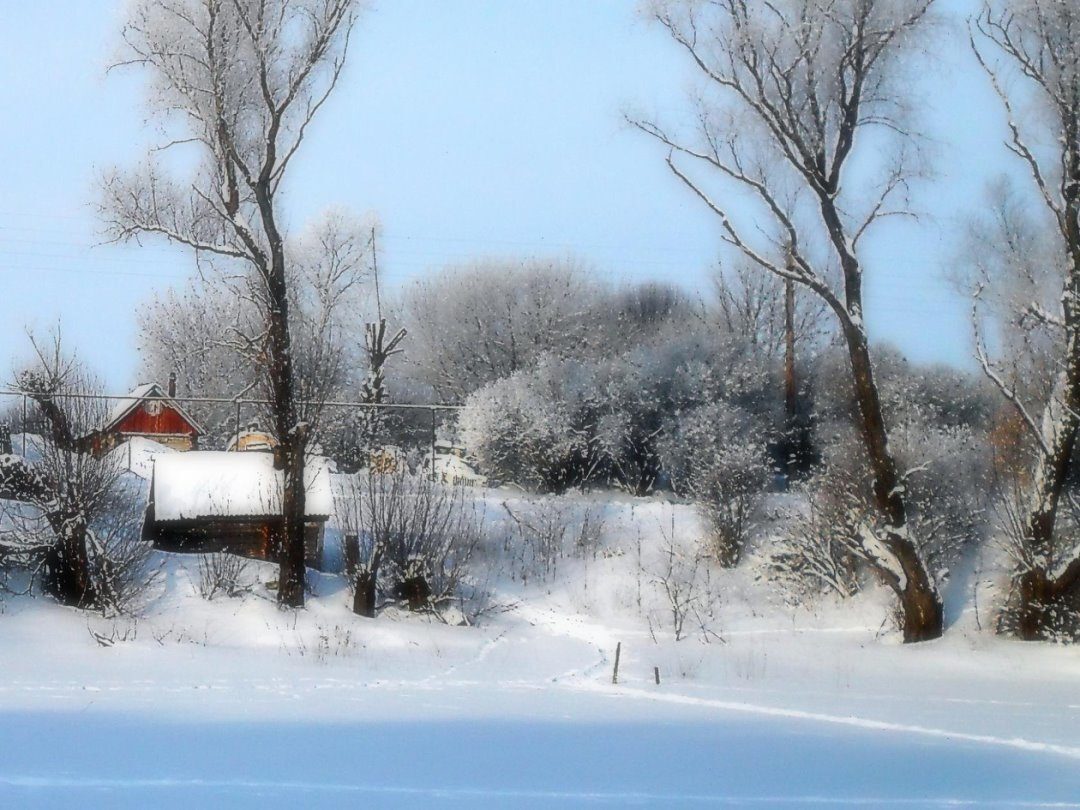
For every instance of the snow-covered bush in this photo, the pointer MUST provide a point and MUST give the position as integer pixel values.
(122, 567)
(530, 428)
(825, 547)
(716, 455)
(85, 547)
(816, 551)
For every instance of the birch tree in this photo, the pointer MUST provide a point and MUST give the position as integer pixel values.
(790, 92)
(237, 83)
(1029, 284)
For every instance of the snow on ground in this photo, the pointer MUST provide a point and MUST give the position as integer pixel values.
(234, 703)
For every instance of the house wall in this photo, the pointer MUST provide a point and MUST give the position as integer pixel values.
(166, 422)
(166, 427)
(248, 537)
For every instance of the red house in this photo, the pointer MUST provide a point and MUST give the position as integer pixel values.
(150, 413)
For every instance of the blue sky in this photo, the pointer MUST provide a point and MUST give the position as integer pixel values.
(472, 128)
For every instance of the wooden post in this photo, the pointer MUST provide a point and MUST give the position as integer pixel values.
(615, 674)
(656, 674)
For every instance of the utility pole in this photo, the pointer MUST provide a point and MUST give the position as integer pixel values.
(375, 270)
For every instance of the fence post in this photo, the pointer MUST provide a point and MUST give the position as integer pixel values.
(618, 654)
(236, 435)
(24, 426)
(433, 444)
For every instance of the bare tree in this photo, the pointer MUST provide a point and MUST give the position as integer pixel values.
(1030, 283)
(82, 533)
(791, 88)
(379, 350)
(750, 306)
(414, 539)
(240, 81)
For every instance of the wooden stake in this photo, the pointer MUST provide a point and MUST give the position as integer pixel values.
(656, 674)
(615, 674)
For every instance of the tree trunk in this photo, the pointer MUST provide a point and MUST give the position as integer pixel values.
(67, 566)
(364, 594)
(291, 434)
(291, 559)
(920, 604)
(1036, 589)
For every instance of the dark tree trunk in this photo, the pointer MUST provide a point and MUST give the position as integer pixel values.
(920, 604)
(291, 559)
(922, 612)
(67, 566)
(416, 591)
(364, 593)
(291, 434)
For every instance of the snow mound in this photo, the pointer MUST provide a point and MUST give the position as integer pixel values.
(138, 455)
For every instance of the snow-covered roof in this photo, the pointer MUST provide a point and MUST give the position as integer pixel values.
(212, 483)
(137, 454)
(452, 469)
(127, 404)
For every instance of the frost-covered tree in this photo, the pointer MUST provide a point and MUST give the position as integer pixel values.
(238, 83)
(1029, 288)
(536, 427)
(81, 533)
(793, 93)
(205, 333)
(482, 322)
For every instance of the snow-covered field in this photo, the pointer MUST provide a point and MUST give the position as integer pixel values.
(234, 703)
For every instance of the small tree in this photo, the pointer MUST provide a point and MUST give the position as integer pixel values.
(86, 544)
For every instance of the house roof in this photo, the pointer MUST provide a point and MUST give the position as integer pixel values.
(208, 483)
(127, 404)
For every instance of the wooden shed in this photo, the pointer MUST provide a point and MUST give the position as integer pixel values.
(218, 501)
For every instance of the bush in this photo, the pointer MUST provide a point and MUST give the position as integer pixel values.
(530, 428)
(222, 574)
(717, 456)
(413, 540)
(545, 531)
(817, 551)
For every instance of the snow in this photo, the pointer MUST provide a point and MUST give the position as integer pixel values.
(453, 470)
(211, 483)
(27, 445)
(122, 406)
(235, 703)
(138, 455)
